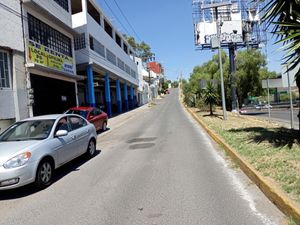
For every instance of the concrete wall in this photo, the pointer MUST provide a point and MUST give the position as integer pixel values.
(56, 10)
(19, 84)
(11, 26)
(13, 100)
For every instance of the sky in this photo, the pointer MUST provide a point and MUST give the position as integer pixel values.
(167, 27)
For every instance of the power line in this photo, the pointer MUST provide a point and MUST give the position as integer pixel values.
(127, 20)
(94, 56)
(116, 17)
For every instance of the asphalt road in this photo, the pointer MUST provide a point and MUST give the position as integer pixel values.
(278, 115)
(155, 166)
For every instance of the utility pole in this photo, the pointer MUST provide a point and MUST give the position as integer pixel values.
(232, 56)
(219, 24)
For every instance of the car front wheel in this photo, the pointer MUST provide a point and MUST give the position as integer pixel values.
(91, 149)
(44, 174)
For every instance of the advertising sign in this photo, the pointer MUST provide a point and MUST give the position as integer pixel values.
(47, 57)
(231, 32)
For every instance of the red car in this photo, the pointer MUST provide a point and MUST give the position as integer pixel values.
(94, 115)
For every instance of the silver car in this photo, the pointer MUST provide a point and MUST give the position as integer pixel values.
(31, 149)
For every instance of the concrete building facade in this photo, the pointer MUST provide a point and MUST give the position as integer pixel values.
(105, 59)
(13, 93)
(50, 56)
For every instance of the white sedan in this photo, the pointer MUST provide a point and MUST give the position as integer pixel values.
(31, 149)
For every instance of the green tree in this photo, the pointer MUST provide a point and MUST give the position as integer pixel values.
(142, 49)
(285, 16)
(175, 84)
(210, 96)
(249, 64)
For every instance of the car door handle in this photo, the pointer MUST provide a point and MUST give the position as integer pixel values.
(73, 137)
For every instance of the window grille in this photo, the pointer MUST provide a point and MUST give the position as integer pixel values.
(4, 70)
(42, 33)
(111, 57)
(63, 3)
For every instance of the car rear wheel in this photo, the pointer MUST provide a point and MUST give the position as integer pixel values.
(91, 149)
(104, 126)
(44, 174)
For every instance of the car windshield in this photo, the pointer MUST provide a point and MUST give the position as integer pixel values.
(28, 130)
(82, 113)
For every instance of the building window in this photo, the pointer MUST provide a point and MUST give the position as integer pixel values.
(111, 57)
(127, 69)
(133, 74)
(4, 70)
(42, 33)
(108, 28)
(76, 6)
(97, 46)
(125, 48)
(118, 40)
(92, 11)
(121, 64)
(64, 4)
(91, 42)
(79, 41)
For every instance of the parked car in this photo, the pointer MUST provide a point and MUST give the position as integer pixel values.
(31, 149)
(94, 115)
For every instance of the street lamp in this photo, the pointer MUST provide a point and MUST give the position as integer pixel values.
(219, 24)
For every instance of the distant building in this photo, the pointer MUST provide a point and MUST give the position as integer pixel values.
(155, 67)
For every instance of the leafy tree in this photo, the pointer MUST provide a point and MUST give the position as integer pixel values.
(249, 64)
(210, 96)
(175, 84)
(142, 49)
(285, 16)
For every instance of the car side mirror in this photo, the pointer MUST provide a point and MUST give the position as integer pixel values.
(61, 133)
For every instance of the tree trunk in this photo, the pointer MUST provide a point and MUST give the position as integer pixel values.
(210, 108)
(298, 85)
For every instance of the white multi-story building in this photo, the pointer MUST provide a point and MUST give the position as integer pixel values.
(50, 56)
(104, 58)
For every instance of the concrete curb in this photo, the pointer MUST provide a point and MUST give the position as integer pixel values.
(280, 199)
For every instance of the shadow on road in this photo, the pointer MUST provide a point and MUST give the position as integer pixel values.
(30, 189)
(278, 137)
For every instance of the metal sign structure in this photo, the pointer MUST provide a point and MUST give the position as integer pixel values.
(240, 24)
(228, 24)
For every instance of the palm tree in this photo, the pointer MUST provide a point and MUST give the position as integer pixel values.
(210, 96)
(285, 16)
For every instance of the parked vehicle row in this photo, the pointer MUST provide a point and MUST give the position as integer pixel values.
(31, 149)
(94, 115)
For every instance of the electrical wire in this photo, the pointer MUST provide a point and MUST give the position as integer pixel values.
(116, 17)
(127, 20)
(86, 52)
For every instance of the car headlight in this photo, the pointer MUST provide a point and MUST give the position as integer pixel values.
(17, 161)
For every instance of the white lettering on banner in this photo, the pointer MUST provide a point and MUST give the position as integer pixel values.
(225, 38)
